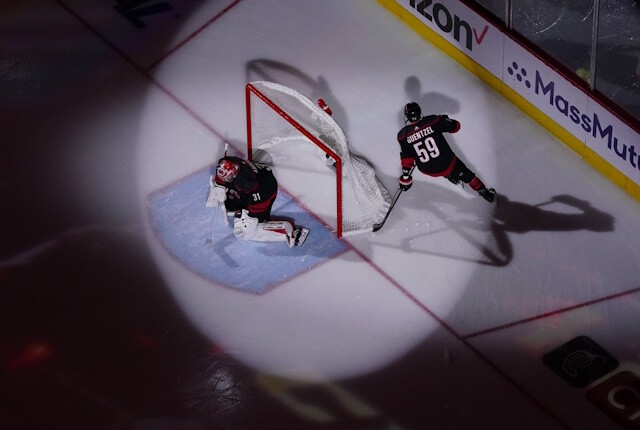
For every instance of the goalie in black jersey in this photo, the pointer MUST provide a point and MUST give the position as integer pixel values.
(422, 143)
(249, 189)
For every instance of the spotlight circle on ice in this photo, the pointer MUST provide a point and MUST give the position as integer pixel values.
(332, 308)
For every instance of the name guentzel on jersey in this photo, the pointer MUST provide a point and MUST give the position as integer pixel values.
(419, 134)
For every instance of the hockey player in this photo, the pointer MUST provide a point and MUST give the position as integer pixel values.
(422, 142)
(249, 189)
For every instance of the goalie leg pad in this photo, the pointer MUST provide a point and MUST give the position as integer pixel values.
(248, 228)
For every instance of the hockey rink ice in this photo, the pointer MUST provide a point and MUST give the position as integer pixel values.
(457, 314)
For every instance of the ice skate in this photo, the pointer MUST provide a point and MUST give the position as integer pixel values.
(489, 194)
(298, 236)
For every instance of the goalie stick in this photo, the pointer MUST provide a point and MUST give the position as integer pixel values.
(209, 242)
(379, 225)
(221, 206)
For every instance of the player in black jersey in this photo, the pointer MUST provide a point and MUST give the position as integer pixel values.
(422, 143)
(249, 189)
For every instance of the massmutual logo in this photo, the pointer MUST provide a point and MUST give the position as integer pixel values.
(449, 22)
(591, 124)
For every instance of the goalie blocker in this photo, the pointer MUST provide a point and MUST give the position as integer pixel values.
(248, 190)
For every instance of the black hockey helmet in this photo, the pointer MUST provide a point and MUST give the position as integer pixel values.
(412, 112)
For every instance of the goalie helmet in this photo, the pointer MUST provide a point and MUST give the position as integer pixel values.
(412, 112)
(227, 170)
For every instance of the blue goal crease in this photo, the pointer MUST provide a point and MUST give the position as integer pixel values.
(186, 226)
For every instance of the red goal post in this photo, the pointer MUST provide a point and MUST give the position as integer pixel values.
(276, 113)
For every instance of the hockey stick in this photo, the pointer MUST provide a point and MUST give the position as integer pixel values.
(211, 202)
(379, 225)
(221, 206)
(209, 242)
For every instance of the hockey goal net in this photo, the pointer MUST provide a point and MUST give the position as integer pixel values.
(278, 116)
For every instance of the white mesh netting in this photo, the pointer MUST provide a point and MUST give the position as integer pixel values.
(365, 200)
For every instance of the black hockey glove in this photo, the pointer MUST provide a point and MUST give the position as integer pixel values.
(405, 180)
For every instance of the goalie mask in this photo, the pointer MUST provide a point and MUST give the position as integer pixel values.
(412, 112)
(227, 170)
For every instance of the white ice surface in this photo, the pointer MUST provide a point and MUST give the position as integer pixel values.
(446, 265)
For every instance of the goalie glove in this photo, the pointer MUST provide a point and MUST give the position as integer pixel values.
(405, 180)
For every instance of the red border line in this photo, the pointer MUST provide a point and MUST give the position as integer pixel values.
(552, 313)
(193, 35)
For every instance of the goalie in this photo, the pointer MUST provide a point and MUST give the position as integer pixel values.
(249, 189)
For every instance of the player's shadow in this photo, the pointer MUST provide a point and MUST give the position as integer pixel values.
(489, 235)
(313, 88)
(517, 217)
(514, 217)
(224, 239)
(431, 102)
(263, 69)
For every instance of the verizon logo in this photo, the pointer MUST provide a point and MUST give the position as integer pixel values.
(449, 22)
